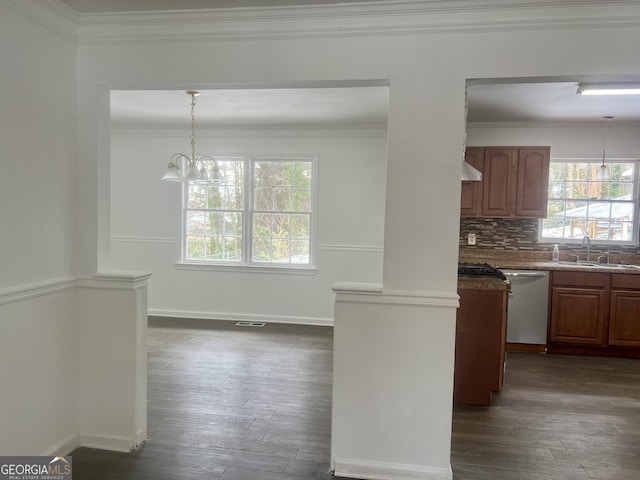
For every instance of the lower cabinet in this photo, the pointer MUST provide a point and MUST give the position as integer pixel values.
(595, 313)
(624, 323)
(578, 315)
(481, 341)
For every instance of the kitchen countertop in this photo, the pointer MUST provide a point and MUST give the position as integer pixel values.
(483, 283)
(507, 263)
(541, 260)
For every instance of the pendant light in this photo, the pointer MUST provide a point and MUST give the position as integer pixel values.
(185, 168)
(603, 171)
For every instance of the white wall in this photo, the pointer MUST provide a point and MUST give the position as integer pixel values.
(146, 216)
(565, 140)
(38, 342)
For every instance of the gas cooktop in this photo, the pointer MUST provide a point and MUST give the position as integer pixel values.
(479, 270)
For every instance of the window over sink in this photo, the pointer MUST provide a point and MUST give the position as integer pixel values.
(580, 204)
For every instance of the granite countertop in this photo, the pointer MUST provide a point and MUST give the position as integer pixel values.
(536, 260)
(483, 283)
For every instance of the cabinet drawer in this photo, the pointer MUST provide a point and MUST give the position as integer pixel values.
(581, 279)
(626, 281)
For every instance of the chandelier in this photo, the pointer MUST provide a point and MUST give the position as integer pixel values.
(201, 169)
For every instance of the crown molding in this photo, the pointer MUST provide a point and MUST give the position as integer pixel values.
(52, 15)
(355, 19)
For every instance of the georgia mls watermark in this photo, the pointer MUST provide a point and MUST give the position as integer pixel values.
(35, 468)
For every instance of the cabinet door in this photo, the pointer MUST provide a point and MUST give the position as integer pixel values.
(471, 199)
(578, 315)
(499, 182)
(533, 180)
(624, 323)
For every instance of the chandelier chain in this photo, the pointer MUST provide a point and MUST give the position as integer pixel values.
(193, 127)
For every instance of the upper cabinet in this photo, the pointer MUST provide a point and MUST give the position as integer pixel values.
(514, 182)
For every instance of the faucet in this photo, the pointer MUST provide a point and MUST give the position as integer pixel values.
(586, 237)
(605, 257)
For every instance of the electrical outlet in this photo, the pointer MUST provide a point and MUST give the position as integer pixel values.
(471, 239)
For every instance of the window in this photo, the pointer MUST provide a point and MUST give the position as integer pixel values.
(580, 205)
(260, 214)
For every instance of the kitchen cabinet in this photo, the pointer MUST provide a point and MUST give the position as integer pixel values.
(514, 182)
(481, 337)
(594, 313)
(624, 321)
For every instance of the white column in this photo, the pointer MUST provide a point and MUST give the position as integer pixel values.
(112, 319)
(394, 343)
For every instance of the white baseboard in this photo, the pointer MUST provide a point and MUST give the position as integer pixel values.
(241, 317)
(106, 442)
(63, 447)
(350, 468)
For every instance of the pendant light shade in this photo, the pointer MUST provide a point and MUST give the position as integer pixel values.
(603, 171)
(193, 168)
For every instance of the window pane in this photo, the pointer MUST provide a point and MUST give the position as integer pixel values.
(195, 223)
(300, 251)
(215, 225)
(557, 171)
(280, 250)
(557, 189)
(233, 223)
(301, 200)
(577, 190)
(263, 174)
(261, 250)
(262, 225)
(263, 199)
(214, 248)
(195, 247)
(302, 174)
(233, 249)
(300, 226)
(233, 197)
(577, 171)
(280, 225)
(282, 199)
(621, 191)
(197, 197)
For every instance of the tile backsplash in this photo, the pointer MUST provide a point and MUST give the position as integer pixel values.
(516, 234)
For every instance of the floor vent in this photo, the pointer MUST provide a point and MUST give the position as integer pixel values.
(250, 324)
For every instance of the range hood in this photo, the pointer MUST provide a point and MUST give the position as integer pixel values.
(470, 174)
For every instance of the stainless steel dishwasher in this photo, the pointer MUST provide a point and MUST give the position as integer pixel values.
(528, 306)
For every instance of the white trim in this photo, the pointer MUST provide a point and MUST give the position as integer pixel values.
(58, 18)
(235, 317)
(106, 442)
(28, 291)
(115, 280)
(140, 239)
(237, 268)
(336, 247)
(400, 17)
(326, 247)
(63, 447)
(347, 292)
(351, 468)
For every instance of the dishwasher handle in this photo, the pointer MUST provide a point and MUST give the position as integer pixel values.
(525, 274)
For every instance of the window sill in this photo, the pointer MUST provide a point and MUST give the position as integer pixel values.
(271, 269)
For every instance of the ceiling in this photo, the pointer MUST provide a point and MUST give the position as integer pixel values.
(273, 106)
(365, 105)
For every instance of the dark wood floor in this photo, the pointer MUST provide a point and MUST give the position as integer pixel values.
(247, 403)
